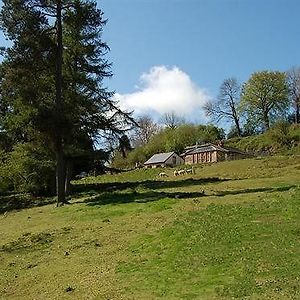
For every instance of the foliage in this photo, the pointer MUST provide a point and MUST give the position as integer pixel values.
(168, 140)
(57, 99)
(280, 138)
(119, 161)
(280, 134)
(265, 96)
(28, 168)
(4, 184)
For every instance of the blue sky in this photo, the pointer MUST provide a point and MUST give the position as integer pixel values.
(207, 40)
(174, 54)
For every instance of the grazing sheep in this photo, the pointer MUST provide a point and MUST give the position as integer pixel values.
(162, 174)
(190, 171)
(176, 173)
(181, 172)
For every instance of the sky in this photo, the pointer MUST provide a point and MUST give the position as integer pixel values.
(172, 55)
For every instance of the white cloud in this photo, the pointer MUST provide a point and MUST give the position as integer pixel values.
(163, 90)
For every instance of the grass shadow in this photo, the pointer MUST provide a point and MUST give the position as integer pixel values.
(256, 190)
(149, 184)
(144, 197)
(16, 201)
(21, 201)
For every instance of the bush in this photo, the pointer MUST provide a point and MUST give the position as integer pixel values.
(280, 134)
(28, 169)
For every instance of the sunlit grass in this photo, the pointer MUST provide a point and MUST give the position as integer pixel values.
(229, 231)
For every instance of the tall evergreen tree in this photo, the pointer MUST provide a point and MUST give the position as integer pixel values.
(52, 79)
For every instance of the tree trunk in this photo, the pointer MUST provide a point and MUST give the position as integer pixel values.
(297, 111)
(238, 128)
(60, 164)
(60, 173)
(69, 173)
(266, 120)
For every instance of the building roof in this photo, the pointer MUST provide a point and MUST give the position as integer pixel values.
(208, 148)
(159, 158)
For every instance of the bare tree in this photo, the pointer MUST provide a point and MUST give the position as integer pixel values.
(145, 130)
(172, 120)
(293, 79)
(226, 105)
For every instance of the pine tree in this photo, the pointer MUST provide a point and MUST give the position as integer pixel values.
(52, 79)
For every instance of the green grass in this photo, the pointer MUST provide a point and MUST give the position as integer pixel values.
(137, 236)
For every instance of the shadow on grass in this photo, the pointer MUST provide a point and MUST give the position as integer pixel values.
(11, 202)
(110, 193)
(149, 184)
(256, 190)
(144, 197)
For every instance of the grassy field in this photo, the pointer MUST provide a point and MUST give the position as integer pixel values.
(232, 230)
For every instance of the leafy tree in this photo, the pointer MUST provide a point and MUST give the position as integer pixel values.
(209, 134)
(226, 107)
(52, 76)
(293, 79)
(265, 96)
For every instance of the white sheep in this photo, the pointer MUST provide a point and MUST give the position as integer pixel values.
(176, 173)
(181, 172)
(162, 174)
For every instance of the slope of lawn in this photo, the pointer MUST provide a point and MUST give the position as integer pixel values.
(230, 231)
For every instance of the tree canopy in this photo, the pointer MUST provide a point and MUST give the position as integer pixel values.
(265, 96)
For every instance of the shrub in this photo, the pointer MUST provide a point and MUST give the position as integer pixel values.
(28, 169)
(280, 134)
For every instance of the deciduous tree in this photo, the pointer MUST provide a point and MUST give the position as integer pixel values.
(293, 79)
(172, 120)
(226, 106)
(265, 96)
(145, 130)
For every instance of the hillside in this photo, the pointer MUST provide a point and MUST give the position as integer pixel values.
(281, 139)
(229, 231)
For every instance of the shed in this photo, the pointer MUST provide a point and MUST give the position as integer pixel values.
(164, 159)
(208, 153)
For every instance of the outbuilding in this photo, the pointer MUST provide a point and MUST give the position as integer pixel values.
(208, 153)
(170, 159)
